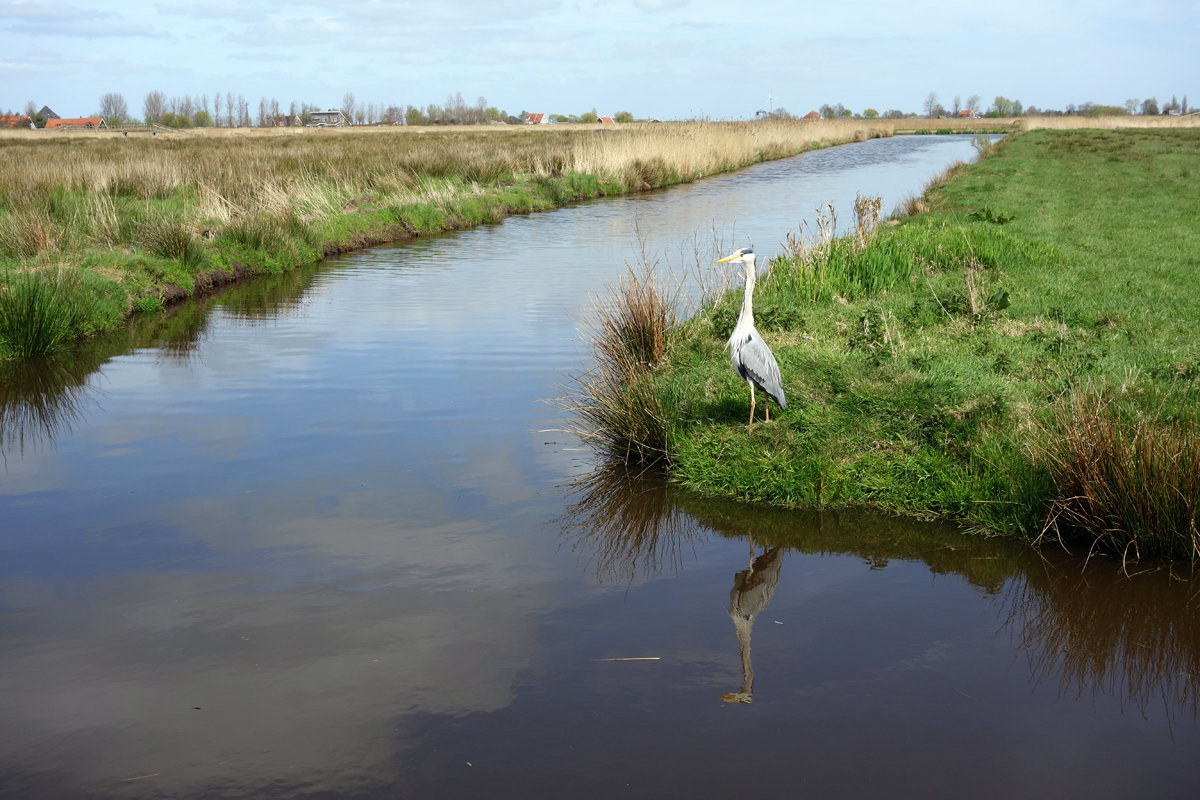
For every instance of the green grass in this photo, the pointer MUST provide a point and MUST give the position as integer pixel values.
(943, 366)
(40, 313)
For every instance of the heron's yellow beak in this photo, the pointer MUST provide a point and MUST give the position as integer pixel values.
(728, 258)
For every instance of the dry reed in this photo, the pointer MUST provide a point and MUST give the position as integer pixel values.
(1127, 480)
(616, 406)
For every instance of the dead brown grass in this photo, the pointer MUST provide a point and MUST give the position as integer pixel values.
(1126, 480)
(1109, 123)
(615, 406)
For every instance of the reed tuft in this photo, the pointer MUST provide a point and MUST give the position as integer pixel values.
(820, 266)
(40, 313)
(170, 237)
(1126, 480)
(25, 236)
(984, 145)
(616, 406)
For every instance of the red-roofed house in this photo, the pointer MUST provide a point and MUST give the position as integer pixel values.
(537, 119)
(811, 115)
(15, 121)
(605, 120)
(80, 122)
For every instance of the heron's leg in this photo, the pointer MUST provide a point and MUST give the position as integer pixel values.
(767, 405)
(751, 408)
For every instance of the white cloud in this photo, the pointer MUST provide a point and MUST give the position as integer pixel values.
(63, 19)
(214, 11)
(656, 6)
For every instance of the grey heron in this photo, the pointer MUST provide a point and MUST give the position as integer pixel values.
(751, 357)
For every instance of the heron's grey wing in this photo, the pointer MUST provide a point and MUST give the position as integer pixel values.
(758, 362)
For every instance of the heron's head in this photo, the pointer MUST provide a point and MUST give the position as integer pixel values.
(746, 257)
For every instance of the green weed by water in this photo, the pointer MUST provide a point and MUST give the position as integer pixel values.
(40, 313)
(171, 238)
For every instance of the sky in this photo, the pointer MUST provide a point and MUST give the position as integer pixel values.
(666, 59)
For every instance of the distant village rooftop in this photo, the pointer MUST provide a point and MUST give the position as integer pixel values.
(15, 121)
(78, 122)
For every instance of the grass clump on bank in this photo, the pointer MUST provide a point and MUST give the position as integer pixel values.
(1022, 357)
(38, 313)
(618, 406)
(1128, 476)
(42, 313)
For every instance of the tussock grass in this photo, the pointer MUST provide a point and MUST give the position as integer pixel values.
(39, 312)
(616, 406)
(984, 145)
(25, 236)
(171, 238)
(1127, 479)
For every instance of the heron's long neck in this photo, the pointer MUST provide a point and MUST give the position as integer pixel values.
(746, 317)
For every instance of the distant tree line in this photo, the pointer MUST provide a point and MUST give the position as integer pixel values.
(1003, 107)
(224, 110)
(229, 111)
(1000, 107)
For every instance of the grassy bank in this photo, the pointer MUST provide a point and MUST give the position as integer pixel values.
(1021, 357)
(95, 227)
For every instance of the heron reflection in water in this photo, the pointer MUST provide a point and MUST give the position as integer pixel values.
(752, 590)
